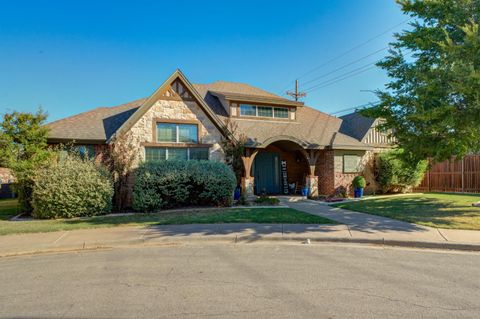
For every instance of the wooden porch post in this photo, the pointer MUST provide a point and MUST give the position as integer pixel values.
(247, 179)
(312, 181)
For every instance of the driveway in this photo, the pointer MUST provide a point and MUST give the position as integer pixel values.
(242, 281)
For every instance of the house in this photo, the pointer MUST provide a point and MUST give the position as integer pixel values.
(6, 182)
(288, 143)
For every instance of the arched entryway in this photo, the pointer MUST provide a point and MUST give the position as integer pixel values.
(283, 166)
(280, 168)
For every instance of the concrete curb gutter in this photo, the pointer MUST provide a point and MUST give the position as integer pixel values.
(230, 239)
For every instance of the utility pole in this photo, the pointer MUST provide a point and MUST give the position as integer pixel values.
(296, 94)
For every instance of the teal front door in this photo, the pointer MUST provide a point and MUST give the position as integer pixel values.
(267, 173)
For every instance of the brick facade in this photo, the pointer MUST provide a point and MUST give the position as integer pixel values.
(331, 176)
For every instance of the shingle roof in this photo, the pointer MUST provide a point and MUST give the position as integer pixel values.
(356, 125)
(95, 125)
(312, 128)
(235, 87)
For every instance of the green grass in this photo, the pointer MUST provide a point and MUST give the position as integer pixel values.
(8, 208)
(213, 216)
(431, 209)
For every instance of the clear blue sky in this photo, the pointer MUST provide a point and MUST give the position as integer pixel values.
(72, 56)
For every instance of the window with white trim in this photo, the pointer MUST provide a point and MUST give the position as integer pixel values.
(177, 133)
(263, 111)
(176, 153)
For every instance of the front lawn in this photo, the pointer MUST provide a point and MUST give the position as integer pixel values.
(431, 209)
(214, 216)
(8, 208)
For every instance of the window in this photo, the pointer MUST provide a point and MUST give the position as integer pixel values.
(187, 133)
(198, 153)
(263, 111)
(175, 153)
(280, 112)
(351, 163)
(248, 110)
(84, 151)
(177, 133)
(155, 154)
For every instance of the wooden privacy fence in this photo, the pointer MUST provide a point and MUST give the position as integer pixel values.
(460, 176)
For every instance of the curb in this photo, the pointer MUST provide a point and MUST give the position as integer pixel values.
(247, 239)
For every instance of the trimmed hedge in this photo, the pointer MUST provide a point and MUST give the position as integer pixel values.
(71, 188)
(359, 182)
(167, 184)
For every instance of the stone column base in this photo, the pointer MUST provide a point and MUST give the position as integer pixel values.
(312, 184)
(248, 186)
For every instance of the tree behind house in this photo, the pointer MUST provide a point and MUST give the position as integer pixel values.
(433, 100)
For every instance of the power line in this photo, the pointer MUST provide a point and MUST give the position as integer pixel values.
(356, 107)
(343, 76)
(348, 51)
(347, 75)
(346, 65)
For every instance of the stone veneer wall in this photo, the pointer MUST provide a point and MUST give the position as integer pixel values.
(142, 131)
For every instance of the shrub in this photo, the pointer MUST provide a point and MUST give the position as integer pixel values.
(71, 187)
(397, 173)
(359, 182)
(265, 200)
(243, 200)
(168, 184)
(341, 191)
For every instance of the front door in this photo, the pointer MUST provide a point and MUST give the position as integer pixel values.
(267, 173)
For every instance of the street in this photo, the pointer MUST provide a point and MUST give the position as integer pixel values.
(261, 280)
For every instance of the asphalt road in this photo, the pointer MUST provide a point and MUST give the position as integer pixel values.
(242, 281)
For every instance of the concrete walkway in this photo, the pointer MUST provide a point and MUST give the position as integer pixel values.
(354, 228)
(371, 226)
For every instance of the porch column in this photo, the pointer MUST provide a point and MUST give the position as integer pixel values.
(312, 180)
(247, 179)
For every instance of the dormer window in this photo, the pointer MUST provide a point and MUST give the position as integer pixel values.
(263, 111)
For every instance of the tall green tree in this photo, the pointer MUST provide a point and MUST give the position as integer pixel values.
(432, 103)
(23, 149)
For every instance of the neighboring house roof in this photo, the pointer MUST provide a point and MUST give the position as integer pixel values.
(341, 141)
(356, 125)
(96, 125)
(311, 129)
